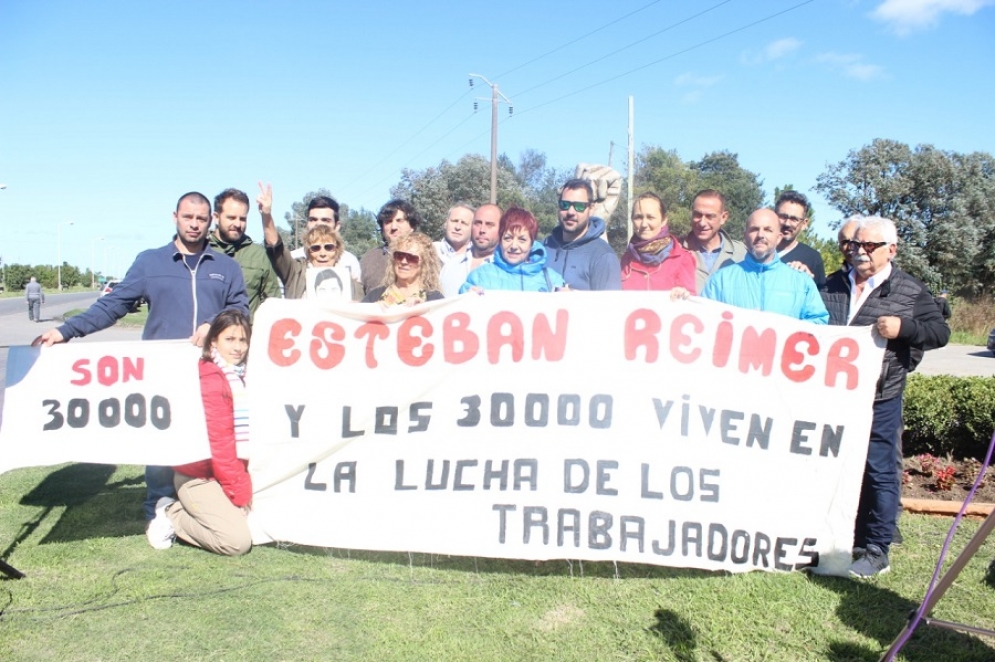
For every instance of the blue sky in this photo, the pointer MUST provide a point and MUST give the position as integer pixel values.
(110, 110)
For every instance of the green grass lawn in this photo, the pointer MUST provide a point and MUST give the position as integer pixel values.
(95, 590)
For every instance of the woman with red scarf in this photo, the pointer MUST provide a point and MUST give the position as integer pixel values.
(655, 260)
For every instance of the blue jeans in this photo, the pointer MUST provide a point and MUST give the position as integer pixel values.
(159, 481)
(877, 513)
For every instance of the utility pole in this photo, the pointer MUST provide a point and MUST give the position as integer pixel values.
(628, 189)
(495, 93)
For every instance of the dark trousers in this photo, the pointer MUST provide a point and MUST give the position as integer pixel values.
(159, 481)
(34, 310)
(877, 512)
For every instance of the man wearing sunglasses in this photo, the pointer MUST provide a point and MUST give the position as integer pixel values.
(875, 292)
(577, 247)
(793, 210)
(231, 212)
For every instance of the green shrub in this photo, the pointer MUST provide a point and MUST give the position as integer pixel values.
(947, 415)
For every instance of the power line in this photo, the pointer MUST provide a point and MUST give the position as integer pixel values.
(525, 64)
(635, 43)
(443, 137)
(668, 57)
(580, 38)
(416, 134)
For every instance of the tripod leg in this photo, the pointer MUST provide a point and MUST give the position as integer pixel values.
(948, 577)
(10, 570)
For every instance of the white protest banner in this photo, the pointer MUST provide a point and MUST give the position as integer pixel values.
(585, 425)
(113, 403)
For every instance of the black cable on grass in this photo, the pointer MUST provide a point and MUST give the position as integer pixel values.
(88, 606)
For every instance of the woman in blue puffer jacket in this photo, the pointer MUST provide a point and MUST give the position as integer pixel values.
(519, 263)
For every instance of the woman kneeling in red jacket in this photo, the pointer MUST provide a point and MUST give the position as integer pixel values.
(215, 494)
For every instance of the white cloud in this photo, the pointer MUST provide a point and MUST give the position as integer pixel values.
(694, 86)
(906, 16)
(691, 97)
(690, 80)
(775, 50)
(851, 65)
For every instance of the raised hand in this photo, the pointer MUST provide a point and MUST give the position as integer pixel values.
(265, 199)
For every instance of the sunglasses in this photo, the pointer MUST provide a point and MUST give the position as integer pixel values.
(578, 206)
(410, 258)
(314, 248)
(868, 246)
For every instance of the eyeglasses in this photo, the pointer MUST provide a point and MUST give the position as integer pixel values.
(411, 258)
(314, 248)
(578, 206)
(868, 246)
(789, 217)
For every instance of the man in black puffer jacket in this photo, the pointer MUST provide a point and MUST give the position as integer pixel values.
(874, 292)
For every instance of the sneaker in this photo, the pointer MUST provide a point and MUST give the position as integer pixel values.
(872, 563)
(896, 537)
(160, 532)
(857, 552)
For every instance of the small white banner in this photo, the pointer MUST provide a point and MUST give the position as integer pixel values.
(113, 403)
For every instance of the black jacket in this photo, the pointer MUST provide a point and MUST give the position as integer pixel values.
(903, 296)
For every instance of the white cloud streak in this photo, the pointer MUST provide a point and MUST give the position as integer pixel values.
(907, 16)
(851, 65)
(690, 80)
(775, 50)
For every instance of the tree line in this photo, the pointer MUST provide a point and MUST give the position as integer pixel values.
(16, 276)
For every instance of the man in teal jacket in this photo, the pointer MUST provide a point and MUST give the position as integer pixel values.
(762, 281)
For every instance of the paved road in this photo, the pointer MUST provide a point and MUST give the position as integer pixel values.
(959, 360)
(53, 302)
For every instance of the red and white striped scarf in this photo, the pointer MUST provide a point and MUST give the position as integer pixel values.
(235, 374)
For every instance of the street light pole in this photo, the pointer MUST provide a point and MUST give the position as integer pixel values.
(59, 247)
(3, 265)
(93, 266)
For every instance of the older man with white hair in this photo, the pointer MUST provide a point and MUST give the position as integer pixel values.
(875, 292)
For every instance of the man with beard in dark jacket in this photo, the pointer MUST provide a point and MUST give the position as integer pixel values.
(875, 292)
(576, 248)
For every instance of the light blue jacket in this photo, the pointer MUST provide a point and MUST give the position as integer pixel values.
(773, 287)
(528, 276)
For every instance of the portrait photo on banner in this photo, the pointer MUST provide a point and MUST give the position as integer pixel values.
(329, 284)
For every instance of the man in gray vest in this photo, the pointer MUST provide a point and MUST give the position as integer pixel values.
(35, 298)
(711, 246)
